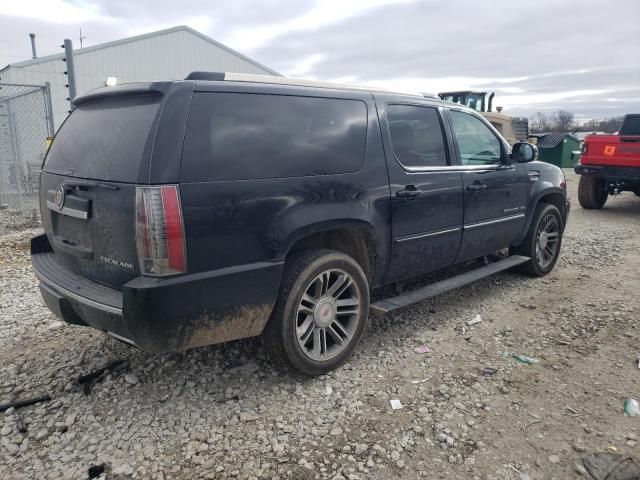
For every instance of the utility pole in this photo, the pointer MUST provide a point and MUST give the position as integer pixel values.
(81, 38)
(71, 71)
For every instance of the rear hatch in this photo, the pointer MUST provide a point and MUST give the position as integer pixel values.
(88, 183)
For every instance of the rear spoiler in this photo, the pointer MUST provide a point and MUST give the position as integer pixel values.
(127, 89)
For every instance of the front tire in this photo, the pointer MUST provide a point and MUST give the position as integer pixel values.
(321, 312)
(592, 194)
(543, 241)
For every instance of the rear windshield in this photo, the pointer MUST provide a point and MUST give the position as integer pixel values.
(104, 140)
(235, 136)
(631, 125)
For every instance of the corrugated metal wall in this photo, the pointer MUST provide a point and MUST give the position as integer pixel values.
(168, 56)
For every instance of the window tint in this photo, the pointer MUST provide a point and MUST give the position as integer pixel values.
(631, 125)
(104, 140)
(416, 135)
(477, 144)
(235, 136)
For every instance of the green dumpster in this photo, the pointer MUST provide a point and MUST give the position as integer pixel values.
(560, 149)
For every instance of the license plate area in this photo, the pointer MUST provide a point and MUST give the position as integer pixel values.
(73, 232)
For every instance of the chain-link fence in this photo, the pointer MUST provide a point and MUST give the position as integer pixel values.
(25, 125)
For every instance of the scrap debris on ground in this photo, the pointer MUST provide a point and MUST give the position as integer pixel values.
(470, 408)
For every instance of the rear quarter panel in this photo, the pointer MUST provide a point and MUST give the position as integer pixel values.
(240, 222)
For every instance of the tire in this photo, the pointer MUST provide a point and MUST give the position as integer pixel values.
(305, 308)
(535, 247)
(591, 192)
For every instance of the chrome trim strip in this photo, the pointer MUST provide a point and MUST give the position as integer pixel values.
(78, 298)
(121, 338)
(425, 235)
(497, 220)
(71, 212)
(459, 168)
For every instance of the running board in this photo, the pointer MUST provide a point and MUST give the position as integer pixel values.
(409, 298)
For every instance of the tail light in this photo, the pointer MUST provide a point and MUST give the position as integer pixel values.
(584, 148)
(160, 231)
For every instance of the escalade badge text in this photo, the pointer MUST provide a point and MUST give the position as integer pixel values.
(117, 263)
(59, 197)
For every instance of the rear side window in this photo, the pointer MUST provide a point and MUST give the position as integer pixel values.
(104, 140)
(416, 135)
(237, 136)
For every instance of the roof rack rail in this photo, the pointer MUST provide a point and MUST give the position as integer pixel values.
(216, 76)
(301, 82)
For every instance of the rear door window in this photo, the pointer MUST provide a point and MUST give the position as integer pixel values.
(238, 136)
(104, 140)
(417, 136)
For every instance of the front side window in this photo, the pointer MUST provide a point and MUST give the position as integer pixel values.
(476, 142)
(416, 136)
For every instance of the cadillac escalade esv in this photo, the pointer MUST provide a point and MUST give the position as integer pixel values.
(187, 213)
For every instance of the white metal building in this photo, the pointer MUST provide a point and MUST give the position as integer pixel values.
(168, 54)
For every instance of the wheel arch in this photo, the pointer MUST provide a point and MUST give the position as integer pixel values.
(354, 238)
(554, 196)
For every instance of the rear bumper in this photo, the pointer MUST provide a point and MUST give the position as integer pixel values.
(162, 315)
(611, 173)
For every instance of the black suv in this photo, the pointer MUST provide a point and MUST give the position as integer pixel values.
(187, 213)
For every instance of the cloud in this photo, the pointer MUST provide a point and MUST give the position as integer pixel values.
(324, 13)
(543, 55)
(54, 11)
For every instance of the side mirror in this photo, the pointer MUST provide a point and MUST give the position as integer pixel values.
(523, 152)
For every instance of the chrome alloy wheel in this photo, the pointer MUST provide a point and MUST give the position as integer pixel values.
(547, 240)
(328, 315)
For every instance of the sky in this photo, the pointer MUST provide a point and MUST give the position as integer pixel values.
(582, 56)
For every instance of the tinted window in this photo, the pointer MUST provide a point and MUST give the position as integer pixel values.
(104, 140)
(477, 143)
(631, 125)
(232, 136)
(416, 135)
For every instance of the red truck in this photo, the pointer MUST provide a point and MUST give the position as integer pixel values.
(610, 164)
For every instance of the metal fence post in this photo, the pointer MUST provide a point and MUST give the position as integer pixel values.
(49, 105)
(4, 186)
(16, 155)
(71, 71)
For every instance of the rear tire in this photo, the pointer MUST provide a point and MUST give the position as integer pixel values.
(543, 241)
(591, 192)
(321, 312)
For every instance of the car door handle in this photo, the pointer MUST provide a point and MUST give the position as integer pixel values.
(476, 187)
(408, 193)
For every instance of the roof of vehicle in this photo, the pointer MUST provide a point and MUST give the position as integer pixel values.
(208, 78)
(298, 82)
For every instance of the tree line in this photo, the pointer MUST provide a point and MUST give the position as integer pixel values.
(563, 121)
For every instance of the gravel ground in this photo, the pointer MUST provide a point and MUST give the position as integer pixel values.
(225, 412)
(14, 221)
